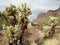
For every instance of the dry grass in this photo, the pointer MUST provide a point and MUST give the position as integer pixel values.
(51, 42)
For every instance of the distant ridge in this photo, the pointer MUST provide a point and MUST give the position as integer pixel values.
(44, 16)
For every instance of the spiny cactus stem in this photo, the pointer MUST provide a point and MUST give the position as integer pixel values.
(21, 37)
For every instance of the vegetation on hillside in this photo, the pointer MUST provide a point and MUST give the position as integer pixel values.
(16, 30)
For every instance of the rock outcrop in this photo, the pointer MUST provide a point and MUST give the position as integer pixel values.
(44, 16)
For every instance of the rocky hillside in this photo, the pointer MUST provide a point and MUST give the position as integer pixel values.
(44, 16)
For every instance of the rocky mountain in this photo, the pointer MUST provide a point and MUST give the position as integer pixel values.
(44, 16)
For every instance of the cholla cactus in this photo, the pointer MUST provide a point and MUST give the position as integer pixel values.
(47, 30)
(25, 11)
(50, 28)
(52, 20)
(32, 42)
(10, 33)
(10, 14)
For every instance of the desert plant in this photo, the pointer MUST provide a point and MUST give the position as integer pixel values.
(10, 14)
(25, 12)
(58, 21)
(50, 28)
(10, 33)
(2, 19)
(14, 31)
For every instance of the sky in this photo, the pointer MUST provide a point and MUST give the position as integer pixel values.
(36, 6)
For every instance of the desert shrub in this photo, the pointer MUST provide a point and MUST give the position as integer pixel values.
(10, 33)
(50, 28)
(25, 12)
(14, 32)
(10, 14)
(58, 21)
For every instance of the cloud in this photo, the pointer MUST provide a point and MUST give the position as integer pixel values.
(41, 4)
(33, 4)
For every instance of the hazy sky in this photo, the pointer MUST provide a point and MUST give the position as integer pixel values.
(35, 5)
